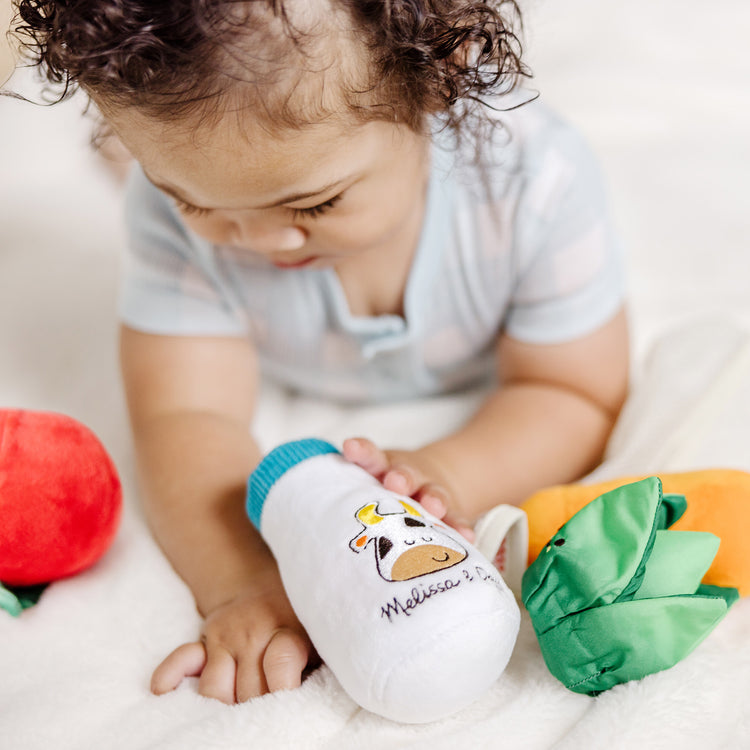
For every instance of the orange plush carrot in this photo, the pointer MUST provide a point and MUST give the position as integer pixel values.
(718, 500)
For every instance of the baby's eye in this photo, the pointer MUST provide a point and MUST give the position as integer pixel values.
(188, 210)
(314, 211)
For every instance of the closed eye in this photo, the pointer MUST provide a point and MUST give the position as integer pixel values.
(189, 210)
(315, 211)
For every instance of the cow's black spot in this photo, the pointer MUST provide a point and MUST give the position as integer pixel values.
(384, 546)
(412, 521)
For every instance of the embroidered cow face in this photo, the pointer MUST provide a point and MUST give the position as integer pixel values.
(406, 544)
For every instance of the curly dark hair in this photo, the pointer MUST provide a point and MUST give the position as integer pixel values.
(207, 57)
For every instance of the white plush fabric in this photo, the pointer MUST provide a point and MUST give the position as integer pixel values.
(661, 90)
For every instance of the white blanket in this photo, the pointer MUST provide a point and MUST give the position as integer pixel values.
(661, 90)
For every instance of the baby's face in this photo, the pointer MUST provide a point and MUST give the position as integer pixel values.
(314, 197)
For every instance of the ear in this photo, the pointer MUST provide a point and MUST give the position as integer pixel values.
(360, 542)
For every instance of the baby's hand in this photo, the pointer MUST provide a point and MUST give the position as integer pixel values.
(251, 645)
(416, 474)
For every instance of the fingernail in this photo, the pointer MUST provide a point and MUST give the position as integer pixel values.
(436, 503)
(352, 444)
(397, 481)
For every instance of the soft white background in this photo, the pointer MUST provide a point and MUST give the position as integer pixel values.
(662, 90)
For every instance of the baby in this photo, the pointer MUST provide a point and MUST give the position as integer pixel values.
(348, 196)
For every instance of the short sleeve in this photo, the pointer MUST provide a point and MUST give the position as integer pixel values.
(570, 270)
(170, 282)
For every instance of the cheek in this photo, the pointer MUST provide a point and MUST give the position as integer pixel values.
(211, 228)
(366, 226)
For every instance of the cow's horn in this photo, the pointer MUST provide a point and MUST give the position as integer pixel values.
(368, 515)
(410, 509)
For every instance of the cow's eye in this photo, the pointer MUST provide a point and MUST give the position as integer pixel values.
(384, 546)
(412, 521)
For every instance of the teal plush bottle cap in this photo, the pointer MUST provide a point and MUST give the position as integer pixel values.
(274, 466)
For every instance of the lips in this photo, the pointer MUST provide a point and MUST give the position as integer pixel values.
(295, 264)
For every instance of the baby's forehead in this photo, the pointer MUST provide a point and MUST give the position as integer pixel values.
(227, 166)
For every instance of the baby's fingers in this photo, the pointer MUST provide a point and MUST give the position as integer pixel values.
(186, 661)
(366, 454)
(284, 660)
(218, 678)
(406, 477)
(411, 481)
(435, 500)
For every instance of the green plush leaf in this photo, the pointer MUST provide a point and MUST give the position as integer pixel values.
(729, 594)
(678, 561)
(597, 649)
(615, 596)
(597, 557)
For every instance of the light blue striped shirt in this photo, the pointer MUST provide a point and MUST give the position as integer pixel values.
(524, 245)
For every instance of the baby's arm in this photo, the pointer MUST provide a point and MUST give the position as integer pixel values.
(547, 423)
(191, 401)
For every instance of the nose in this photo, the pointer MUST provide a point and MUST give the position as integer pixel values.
(268, 238)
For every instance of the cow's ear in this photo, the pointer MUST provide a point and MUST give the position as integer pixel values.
(410, 509)
(359, 542)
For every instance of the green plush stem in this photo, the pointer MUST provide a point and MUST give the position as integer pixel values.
(671, 510)
(15, 599)
(9, 602)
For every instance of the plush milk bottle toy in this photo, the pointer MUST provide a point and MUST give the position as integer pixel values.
(411, 619)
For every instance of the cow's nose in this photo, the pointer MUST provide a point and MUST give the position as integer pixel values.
(426, 558)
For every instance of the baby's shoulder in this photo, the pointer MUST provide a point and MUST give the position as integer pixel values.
(528, 144)
(536, 134)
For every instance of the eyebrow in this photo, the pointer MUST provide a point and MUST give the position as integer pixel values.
(293, 198)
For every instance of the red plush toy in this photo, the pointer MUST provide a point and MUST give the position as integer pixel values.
(60, 502)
